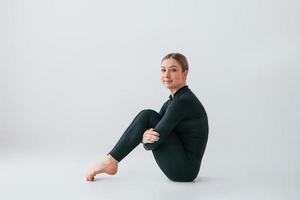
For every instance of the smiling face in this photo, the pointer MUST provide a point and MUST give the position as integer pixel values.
(172, 75)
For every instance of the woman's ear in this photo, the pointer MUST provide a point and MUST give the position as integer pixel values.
(186, 72)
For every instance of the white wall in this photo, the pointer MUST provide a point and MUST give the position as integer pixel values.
(73, 74)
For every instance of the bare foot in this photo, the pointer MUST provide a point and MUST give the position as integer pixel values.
(109, 166)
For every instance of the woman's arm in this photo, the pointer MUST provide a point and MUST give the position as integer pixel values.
(176, 111)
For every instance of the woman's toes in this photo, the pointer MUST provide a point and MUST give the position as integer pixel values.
(90, 178)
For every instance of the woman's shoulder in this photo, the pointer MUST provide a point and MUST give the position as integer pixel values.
(187, 96)
(190, 99)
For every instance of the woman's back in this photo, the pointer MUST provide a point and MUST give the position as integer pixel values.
(193, 128)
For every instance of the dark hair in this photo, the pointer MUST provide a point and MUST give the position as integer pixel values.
(180, 58)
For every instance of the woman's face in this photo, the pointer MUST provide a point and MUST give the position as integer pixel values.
(172, 75)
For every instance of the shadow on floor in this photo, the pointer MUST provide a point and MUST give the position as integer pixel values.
(204, 179)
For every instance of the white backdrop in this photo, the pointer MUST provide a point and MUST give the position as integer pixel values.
(73, 74)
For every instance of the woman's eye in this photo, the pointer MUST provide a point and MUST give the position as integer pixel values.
(163, 70)
(174, 70)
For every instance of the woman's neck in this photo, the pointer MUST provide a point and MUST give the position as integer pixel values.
(174, 90)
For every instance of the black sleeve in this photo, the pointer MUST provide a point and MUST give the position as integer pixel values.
(163, 108)
(176, 111)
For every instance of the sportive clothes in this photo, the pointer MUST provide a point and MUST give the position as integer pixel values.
(183, 128)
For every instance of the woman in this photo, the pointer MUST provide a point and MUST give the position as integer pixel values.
(177, 135)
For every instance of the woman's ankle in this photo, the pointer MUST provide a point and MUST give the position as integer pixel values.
(111, 159)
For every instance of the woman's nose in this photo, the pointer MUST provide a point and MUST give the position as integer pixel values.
(167, 74)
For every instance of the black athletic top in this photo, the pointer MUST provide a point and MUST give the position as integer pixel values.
(184, 115)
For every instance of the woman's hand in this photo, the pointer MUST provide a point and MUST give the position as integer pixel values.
(150, 136)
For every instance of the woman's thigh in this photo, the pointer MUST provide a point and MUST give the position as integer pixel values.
(171, 156)
(173, 160)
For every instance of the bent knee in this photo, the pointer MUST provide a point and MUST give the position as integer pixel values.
(148, 112)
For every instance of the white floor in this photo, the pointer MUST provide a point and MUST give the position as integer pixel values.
(45, 175)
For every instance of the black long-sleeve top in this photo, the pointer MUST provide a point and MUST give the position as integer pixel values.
(185, 115)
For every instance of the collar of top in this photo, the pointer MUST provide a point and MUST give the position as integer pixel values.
(179, 91)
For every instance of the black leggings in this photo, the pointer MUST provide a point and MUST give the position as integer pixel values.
(170, 156)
